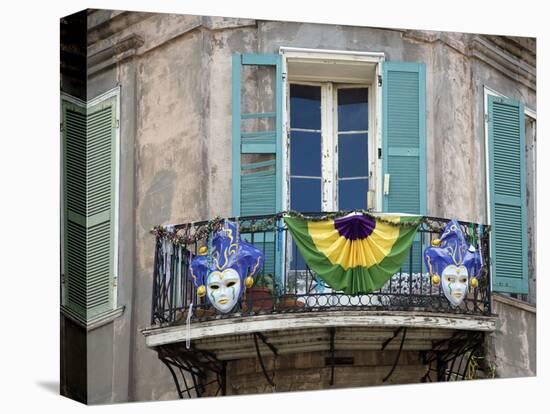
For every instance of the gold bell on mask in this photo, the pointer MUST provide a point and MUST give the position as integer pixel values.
(474, 282)
(248, 282)
(201, 291)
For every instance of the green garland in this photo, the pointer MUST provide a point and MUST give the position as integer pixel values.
(183, 236)
(332, 216)
(178, 239)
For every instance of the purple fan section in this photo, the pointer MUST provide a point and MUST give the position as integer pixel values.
(355, 227)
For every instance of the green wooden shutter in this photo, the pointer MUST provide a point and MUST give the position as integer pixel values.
(404, 136)
(404, 144)
(257, 161)
(507, 195)
(89, 182)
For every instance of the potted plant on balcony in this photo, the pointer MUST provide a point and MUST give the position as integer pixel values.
(260, 295)
(288, 300)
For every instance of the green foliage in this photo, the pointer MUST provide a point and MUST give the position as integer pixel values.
(265, 281)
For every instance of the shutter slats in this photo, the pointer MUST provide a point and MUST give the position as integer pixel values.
(75, 161)
(76, 263)
(509, 243)
(258, 189)
(269, 256)
(258, 193)
(508, 202)
(99, 155)
(89, 178)
(404, 184)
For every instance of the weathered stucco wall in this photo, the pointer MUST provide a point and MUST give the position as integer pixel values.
(171, 175)
(512, 346)
(307, 371)
(176, 144)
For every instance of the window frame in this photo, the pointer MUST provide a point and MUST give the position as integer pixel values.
(328, 117)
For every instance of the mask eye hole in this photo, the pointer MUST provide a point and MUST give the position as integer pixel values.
(462, 280)
(214, 287)
(232, 283)
(450, 279)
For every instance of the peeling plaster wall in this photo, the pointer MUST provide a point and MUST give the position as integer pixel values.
(455, 168)
(306, 371)
(512, 346)
(171, 177)
(176, 143)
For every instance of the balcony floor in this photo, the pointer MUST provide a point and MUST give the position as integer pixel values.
(232, 338)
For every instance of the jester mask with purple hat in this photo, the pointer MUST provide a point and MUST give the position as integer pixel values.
(454, 262)
(227, 269)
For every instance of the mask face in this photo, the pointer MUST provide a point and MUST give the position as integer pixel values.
(223, 289)
(454, 282)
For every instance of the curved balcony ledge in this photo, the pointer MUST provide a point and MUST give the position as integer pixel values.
(297, 323)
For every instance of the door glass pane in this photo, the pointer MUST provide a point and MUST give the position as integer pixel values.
(352, 194)
(353, 144)
(305, 153)
(353, 155)
(305, 107)
(352, 109)
(305, 194)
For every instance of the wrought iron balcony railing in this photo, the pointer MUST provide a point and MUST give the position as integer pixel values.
(293, 286)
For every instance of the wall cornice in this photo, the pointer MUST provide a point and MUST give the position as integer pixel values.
(487, 51)
(116, 36)
(117, 52)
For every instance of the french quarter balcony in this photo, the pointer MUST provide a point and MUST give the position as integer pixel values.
(288, 286)
(291, 309)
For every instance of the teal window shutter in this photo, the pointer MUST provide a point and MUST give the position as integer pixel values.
(89, 204)
(257, 162)
(256, 153)
(404, 137)
(404, 145)
(507, 195)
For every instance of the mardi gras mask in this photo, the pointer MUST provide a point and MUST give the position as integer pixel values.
(454, 262)
(223, 289)
(454, 282)
(222, 272)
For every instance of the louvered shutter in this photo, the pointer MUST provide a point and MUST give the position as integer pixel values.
(89, 181)
(507, 195)
(404, 136)
(404, 144)
(257, 162)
